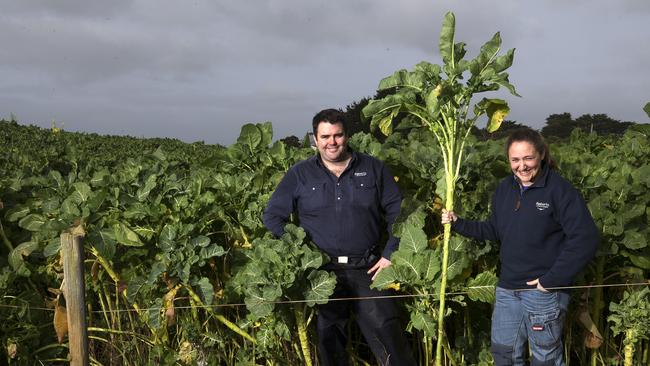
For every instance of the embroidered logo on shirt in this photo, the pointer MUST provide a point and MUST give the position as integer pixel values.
(360, 174)
(542, 205)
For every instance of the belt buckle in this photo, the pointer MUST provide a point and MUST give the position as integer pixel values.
(342, 259)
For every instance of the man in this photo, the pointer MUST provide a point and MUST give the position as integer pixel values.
(342, 199)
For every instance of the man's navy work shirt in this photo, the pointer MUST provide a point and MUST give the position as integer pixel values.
(343, 216)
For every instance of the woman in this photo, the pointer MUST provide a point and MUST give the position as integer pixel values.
(547, 236)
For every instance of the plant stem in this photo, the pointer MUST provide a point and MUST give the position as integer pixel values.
(630, 336)
(5, 240)
(596, 310)
(135, 335)
(299, 313)
(50, 346)
(629, 354)
(450, 355)
(114, 276)
(449, 205)
(106, 265)
(468, 329)
(360, 361)
(230, 325)
(426, 344)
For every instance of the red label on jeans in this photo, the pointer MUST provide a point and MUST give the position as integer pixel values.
(538, 327)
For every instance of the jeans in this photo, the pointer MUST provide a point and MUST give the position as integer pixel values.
(528, 316)
(378, 320)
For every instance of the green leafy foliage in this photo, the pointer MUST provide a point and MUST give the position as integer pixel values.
(482, 287)
(631, 316)
(201, 220)
(283, 269)
(175, 214)
(17, 260)
(277, 271)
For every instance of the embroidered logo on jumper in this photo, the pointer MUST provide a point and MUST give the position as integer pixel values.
(360, 174)
(542, 205)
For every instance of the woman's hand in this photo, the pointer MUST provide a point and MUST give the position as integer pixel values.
(448, 217)
(535, 282)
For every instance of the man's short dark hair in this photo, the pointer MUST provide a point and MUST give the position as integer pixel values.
(332, 116)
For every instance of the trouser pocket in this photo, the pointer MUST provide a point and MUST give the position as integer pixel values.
(545, 327)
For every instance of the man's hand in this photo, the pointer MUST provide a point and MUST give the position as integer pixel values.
(539, 285)
(381, 264)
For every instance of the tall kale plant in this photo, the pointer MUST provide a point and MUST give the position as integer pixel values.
(440, 99)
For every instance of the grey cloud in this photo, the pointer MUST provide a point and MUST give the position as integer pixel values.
(83, 49)
(198, 70)
(412, 23)
(65, 8)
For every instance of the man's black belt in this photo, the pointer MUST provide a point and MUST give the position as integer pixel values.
(366, 260)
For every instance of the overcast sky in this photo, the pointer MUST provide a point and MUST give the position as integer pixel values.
(198, 70)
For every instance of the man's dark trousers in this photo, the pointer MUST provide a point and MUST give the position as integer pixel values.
(378, 319)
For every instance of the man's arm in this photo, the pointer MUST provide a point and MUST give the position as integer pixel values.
(391, 199)
(281, 205)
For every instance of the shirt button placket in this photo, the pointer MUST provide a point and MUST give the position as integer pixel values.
(338, 194)
(338, 191)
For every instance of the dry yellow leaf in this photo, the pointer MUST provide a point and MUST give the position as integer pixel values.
(94, 271)
(395, 286)
(437, 205)
(60, 320)
(219, 294)
(591, 340)
(168, 303)
(437, 90)
(170, 315)
(186, 353)
(12, 350)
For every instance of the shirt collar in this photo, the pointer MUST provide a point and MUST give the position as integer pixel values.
(353, 158)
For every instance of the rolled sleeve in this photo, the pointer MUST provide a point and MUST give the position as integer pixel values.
(391, 200)
(281, 205)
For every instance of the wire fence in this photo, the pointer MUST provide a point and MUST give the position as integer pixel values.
(466, 291)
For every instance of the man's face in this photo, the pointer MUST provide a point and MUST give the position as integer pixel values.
(525, 161)
(331, 141)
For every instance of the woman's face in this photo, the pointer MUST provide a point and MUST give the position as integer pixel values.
(525, 161)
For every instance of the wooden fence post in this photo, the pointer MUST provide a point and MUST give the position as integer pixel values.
(74, 292)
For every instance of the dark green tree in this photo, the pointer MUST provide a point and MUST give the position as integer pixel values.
(602, 124)
(292, 141)
(558, 126)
